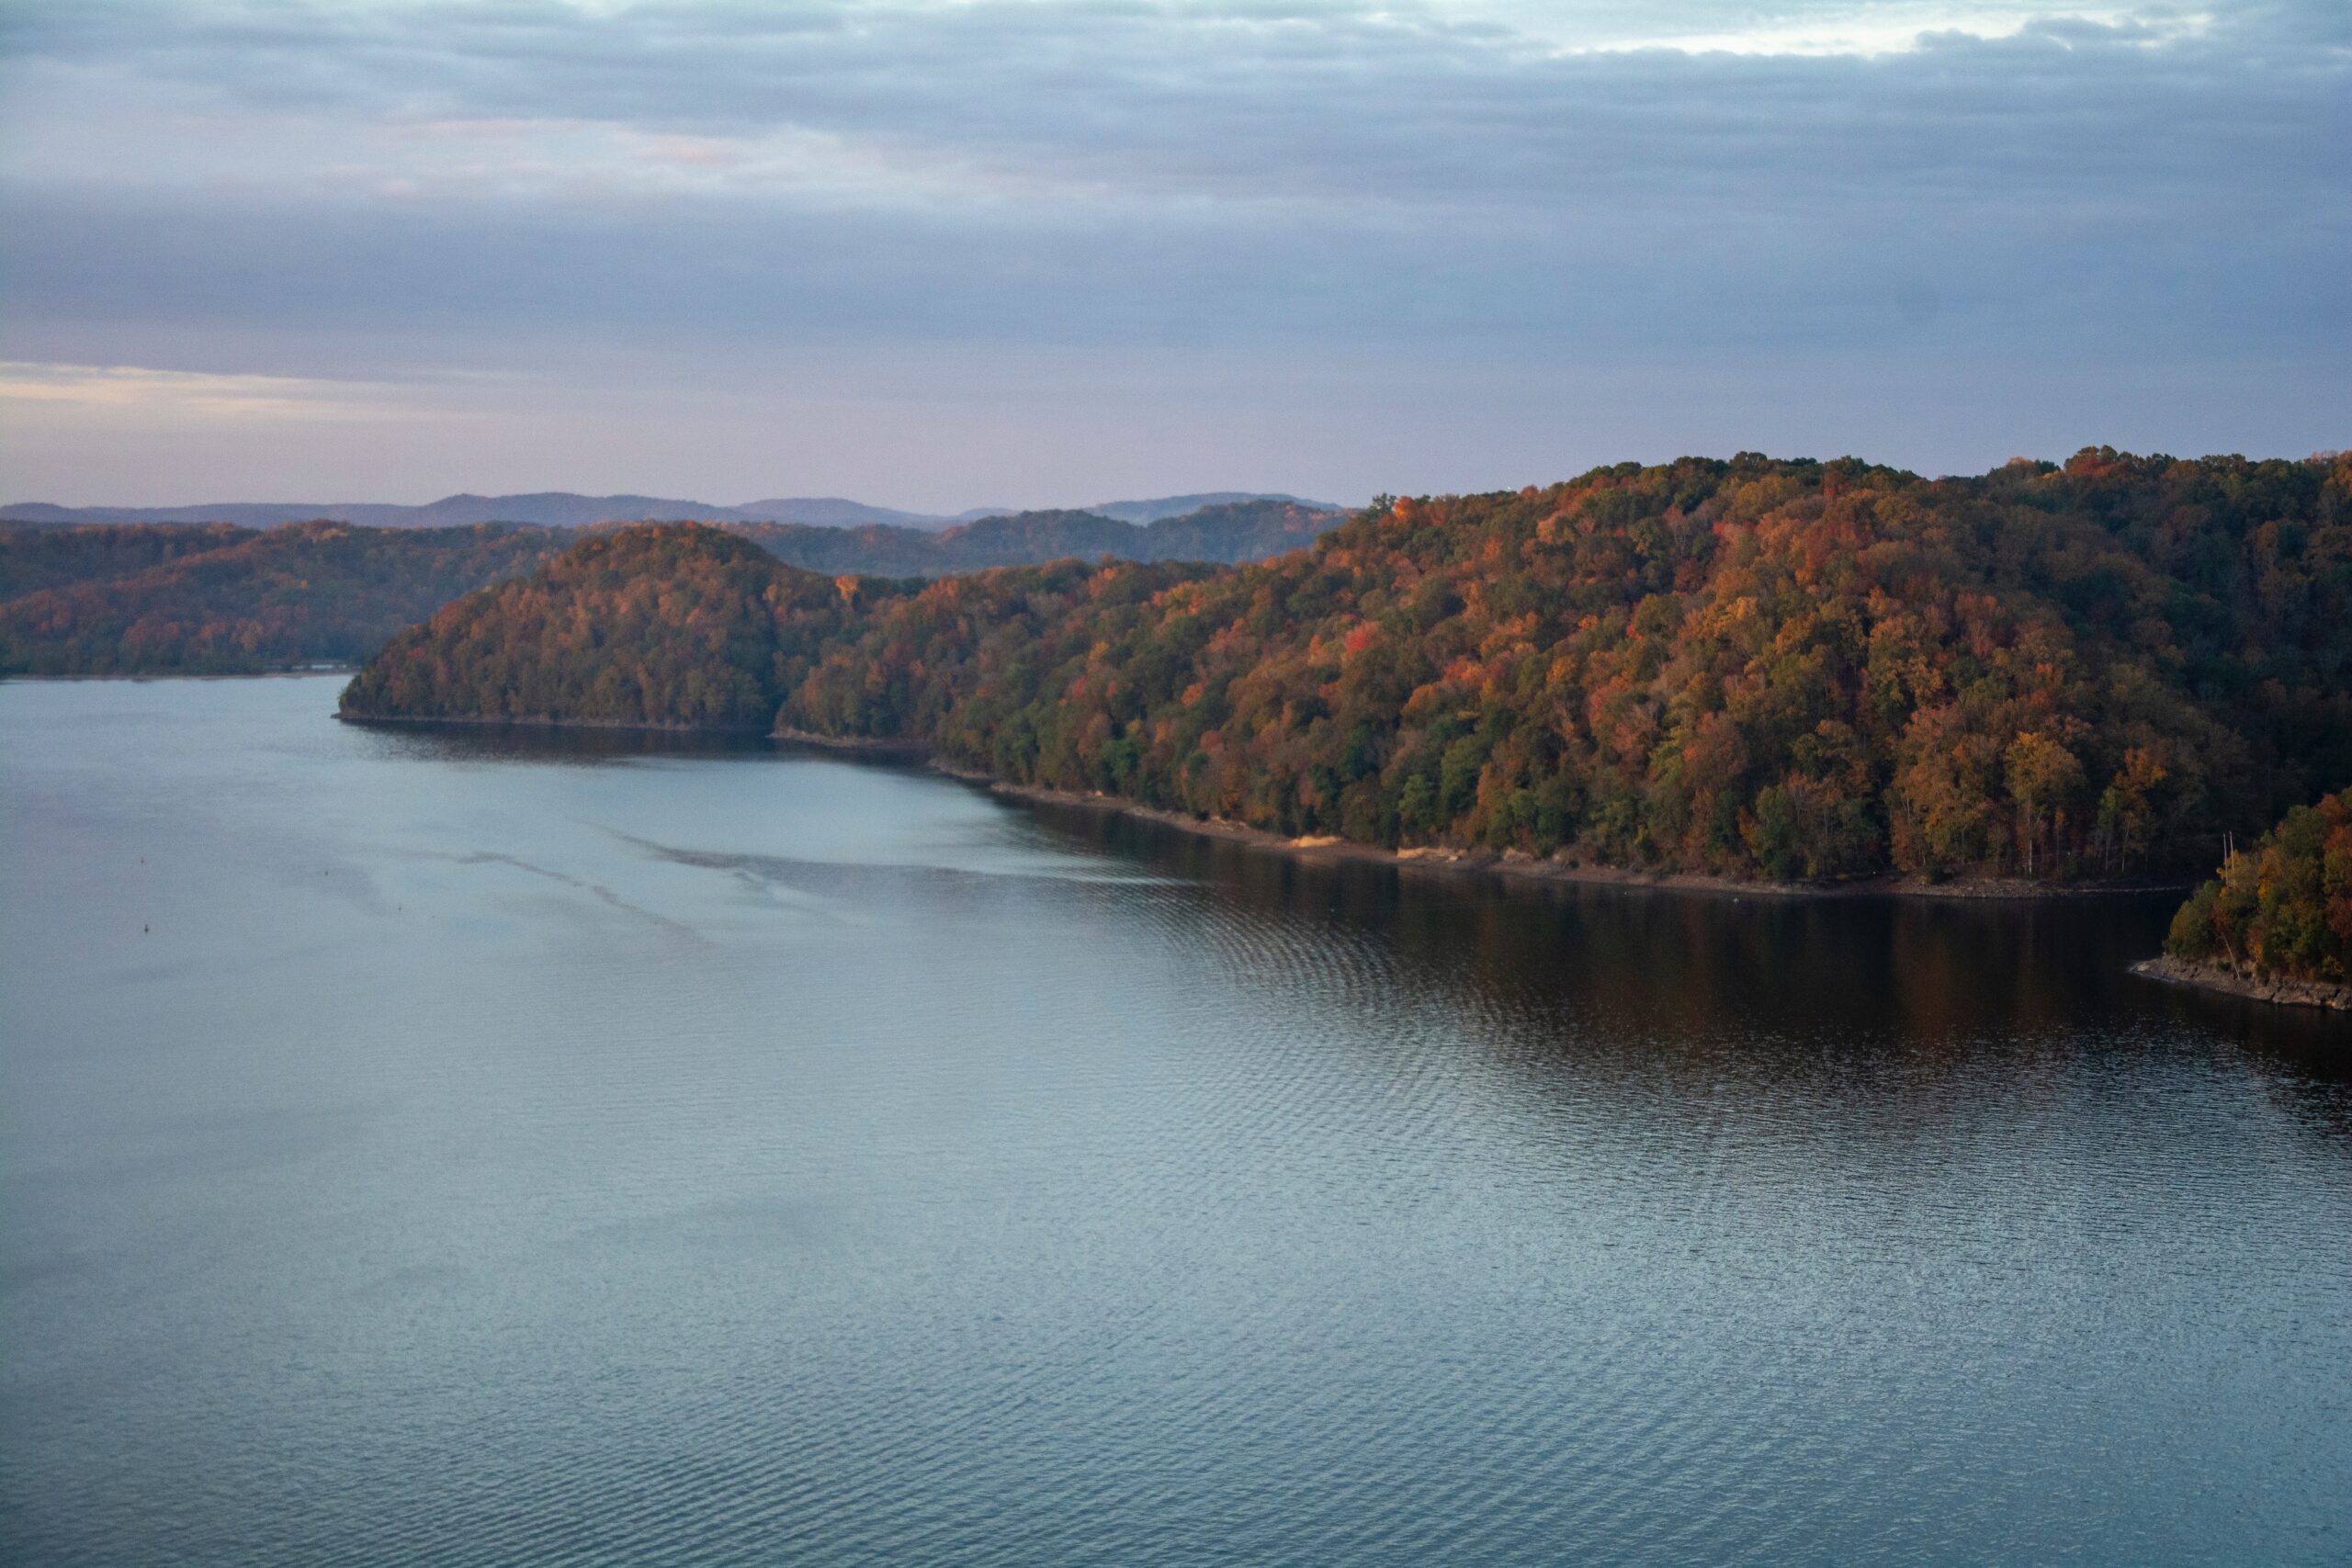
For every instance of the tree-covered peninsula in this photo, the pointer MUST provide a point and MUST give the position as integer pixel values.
(664, 625)
(1751, 669)
(2278, 920)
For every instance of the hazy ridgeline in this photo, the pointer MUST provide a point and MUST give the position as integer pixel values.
(154, 598)
(1752, 668)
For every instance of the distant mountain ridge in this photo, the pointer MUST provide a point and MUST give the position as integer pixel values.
(564, 509)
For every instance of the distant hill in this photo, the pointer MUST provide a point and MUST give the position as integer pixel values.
(143, 597)
(563, 509)
(159, 598)
(831, 512)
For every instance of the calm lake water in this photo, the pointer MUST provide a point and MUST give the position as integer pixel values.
(503, 1149)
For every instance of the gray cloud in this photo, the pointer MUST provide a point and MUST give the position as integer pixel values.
(1324, 102)
(397, 188)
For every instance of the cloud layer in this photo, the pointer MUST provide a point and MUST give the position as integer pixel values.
(969, 218)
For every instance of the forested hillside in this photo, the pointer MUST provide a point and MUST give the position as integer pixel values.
(128, 599)
(157, 597)
(1745, 668)
(36, 556)
(2282, 909)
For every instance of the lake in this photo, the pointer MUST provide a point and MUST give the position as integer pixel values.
(514, 1147)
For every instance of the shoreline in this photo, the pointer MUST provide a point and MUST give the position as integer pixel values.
(1514, 863)
(867, 746)
(2219, 980)
(285, 672)
(1517, 863)
(481, 721)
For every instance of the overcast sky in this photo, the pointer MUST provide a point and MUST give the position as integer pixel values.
(1047, 251)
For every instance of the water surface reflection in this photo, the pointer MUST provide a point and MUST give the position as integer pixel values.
(501, 1147)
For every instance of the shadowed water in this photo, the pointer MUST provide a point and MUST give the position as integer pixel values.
(503, 1149)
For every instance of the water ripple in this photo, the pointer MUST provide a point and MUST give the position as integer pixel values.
(995, 1187)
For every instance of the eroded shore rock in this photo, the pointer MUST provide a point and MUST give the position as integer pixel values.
(2220, 977)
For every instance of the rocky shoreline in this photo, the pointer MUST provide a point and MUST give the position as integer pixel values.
(2173, 971)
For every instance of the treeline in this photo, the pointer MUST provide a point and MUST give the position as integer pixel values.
(2283, 909)
(1749, 669)
(161, 598)
(153, 598)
